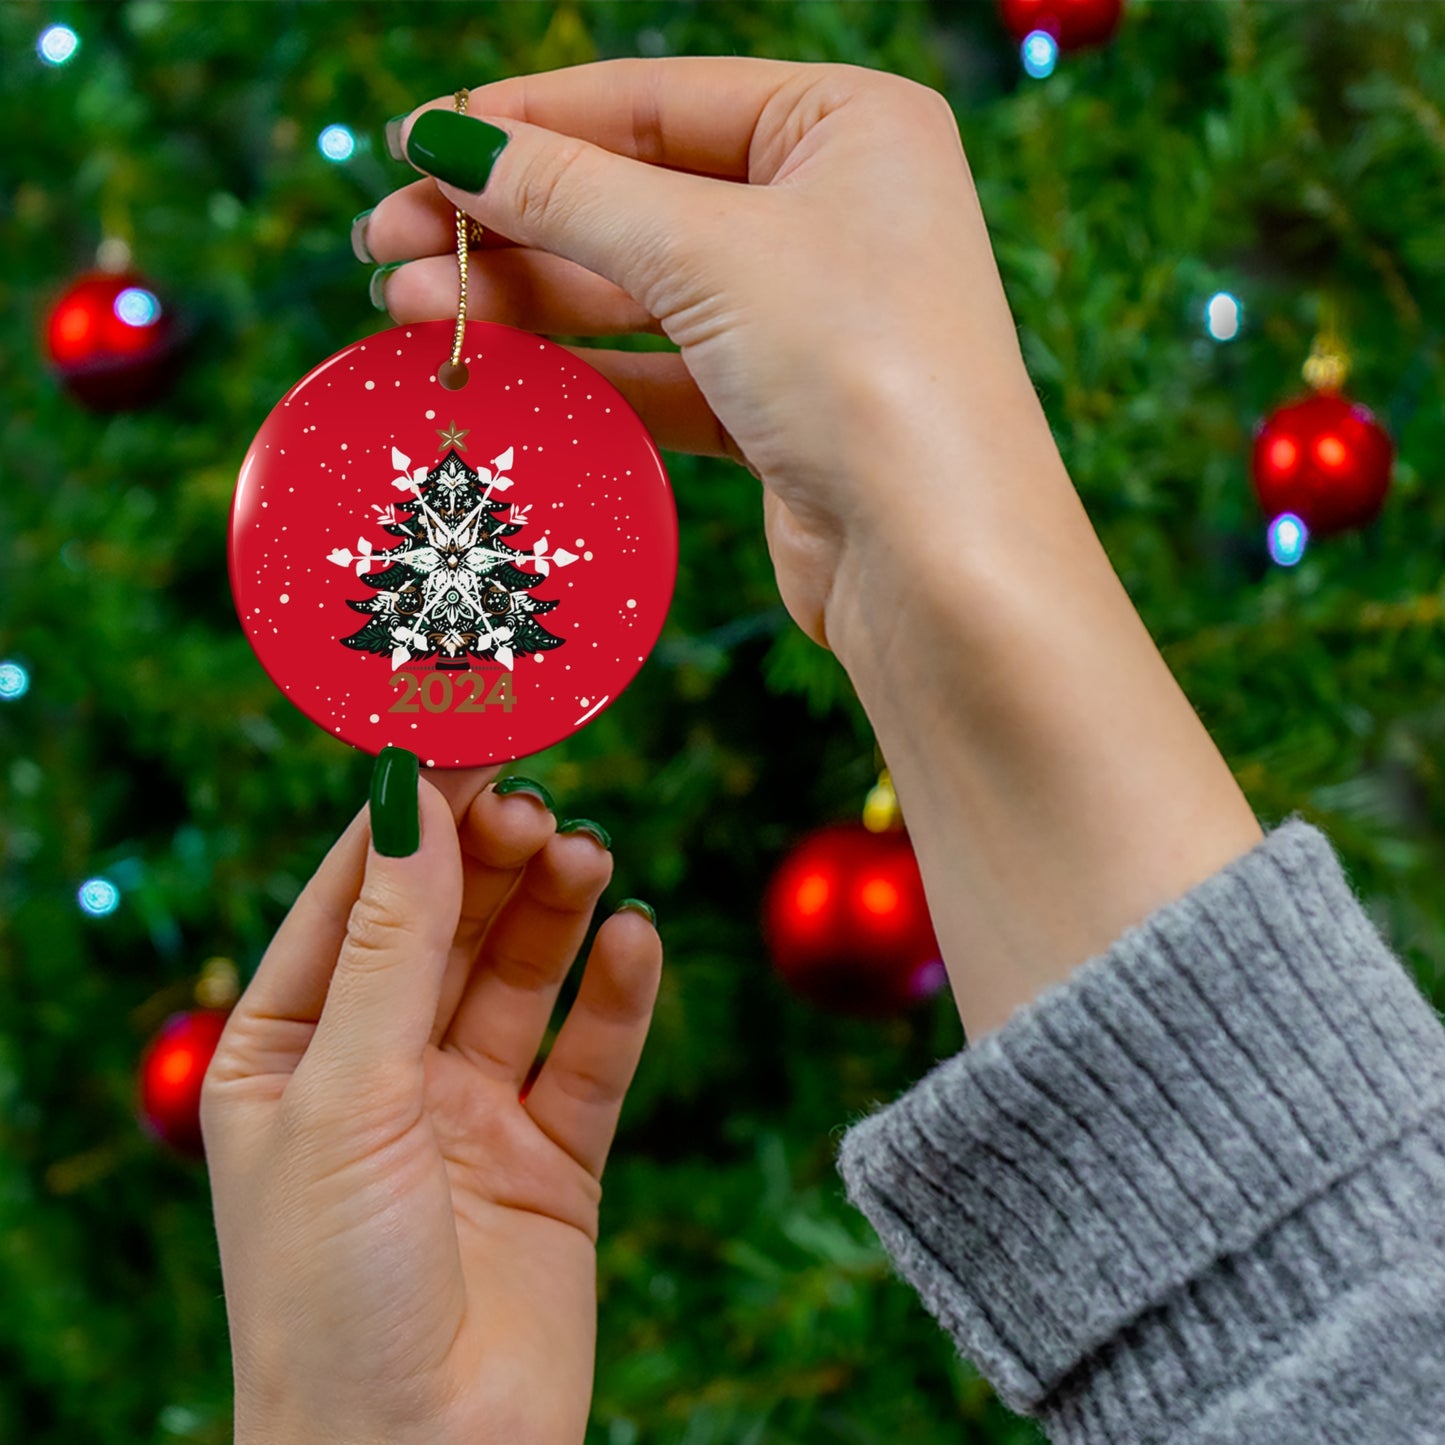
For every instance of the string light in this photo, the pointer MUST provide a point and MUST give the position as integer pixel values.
(1287, 538)
(14, 681)
(57, 44)
(1223, 316)
(1040, 54)
(137, 307)
(98, 897)
(336, 143)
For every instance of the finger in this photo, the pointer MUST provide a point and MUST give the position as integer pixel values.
(516, 287)
(273, 1020)
(499, 834)
(382, 998)
(504, 1010)
(460, 786)
(690, 113)
(620, 218)
(578, 1095)
(416, 220)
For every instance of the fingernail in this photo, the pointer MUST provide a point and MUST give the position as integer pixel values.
(358, 238)
(377, 288)
(528, 786)
(586, 825)
(395, 811)
(455, 148)
(393, 137)
(636, 905)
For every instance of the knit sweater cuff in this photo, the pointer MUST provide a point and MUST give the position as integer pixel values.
(1228, 1060)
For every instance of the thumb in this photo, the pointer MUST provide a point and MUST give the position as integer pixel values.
(382, 1000)
(623, 219)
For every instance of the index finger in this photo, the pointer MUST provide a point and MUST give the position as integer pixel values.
(688, 112)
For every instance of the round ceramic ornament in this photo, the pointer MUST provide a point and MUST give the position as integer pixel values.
(473, 571)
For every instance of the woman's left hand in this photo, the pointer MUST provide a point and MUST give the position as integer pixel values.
(407, 1235)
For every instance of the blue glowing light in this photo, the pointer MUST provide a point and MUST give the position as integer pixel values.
(1040, 53)
(336, 143)
(98, 897)
(57, 44)
(14, 681)
(137, 307)
(1223, 316)
(1287, 538)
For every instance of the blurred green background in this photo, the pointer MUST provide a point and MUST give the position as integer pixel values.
(1287, 153)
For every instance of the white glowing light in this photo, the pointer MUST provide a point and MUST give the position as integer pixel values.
(1223, 316)
(336, 143)
(14, 681)
(98, 897)
(137, 307)
(1287, 538)
(1040, 53)
(57, 44)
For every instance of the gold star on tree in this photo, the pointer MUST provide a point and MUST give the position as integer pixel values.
(451, 437)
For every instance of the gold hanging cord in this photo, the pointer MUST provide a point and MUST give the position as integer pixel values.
(453, 373)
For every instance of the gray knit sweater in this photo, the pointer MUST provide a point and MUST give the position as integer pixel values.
(1196, 1192)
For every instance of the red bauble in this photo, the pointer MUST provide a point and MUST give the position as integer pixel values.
(1073, 23)
(111, 340)
(847, 923)
(171, 1072)
(1326, 459)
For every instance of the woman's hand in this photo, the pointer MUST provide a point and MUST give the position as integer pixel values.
(836, 308)
(407, 1245)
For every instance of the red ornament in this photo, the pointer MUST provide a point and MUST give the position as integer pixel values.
(171, 1072)
(472, 574)
(847, 923)
(111, 341)
(1073, 23)
(1324, 458)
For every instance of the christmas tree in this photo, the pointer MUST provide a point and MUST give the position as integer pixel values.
(451, 588)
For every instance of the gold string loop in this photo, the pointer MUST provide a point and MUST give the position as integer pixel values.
(452, 373)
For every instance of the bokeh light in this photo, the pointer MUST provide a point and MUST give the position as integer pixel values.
(1287, 538)
(57, 44)
(14, 681)
(1040, 54)
(98, 897)
(1223, 316)
(336, 143)
(137, 307)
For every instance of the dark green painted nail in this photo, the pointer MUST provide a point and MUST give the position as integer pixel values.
(586, 825)
(377, 289)
(393, 137)
(636, 905)
(529, 786)
(358, 238)
(455, 148)
(395, 812)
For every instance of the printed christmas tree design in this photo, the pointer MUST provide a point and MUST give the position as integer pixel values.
(451, 588)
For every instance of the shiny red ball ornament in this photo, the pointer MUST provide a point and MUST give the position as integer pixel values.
(847, 923)
(1324, 458)
(171, 1071)
(1074, 24)
(112, 341)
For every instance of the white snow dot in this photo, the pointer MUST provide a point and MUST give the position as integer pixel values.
(371, 386)
(343, 446)
(632, 602)
(376, 717)
(584, 702)
(579, 543)
(285, 596)
(586, 556)
(431, 416)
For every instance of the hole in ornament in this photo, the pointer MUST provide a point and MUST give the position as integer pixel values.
(452, 375)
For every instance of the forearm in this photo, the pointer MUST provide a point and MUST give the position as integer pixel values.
(1056, 781)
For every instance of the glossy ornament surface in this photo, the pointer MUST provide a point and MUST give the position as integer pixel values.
(1325, 459)
(472, 574)
(1074, 24)
(111, 341)
(172, 1070)
(847, 923)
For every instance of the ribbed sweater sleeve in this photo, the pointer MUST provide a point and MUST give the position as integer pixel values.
(1195, 1193)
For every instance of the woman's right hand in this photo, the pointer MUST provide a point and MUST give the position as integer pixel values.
(839, 316)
